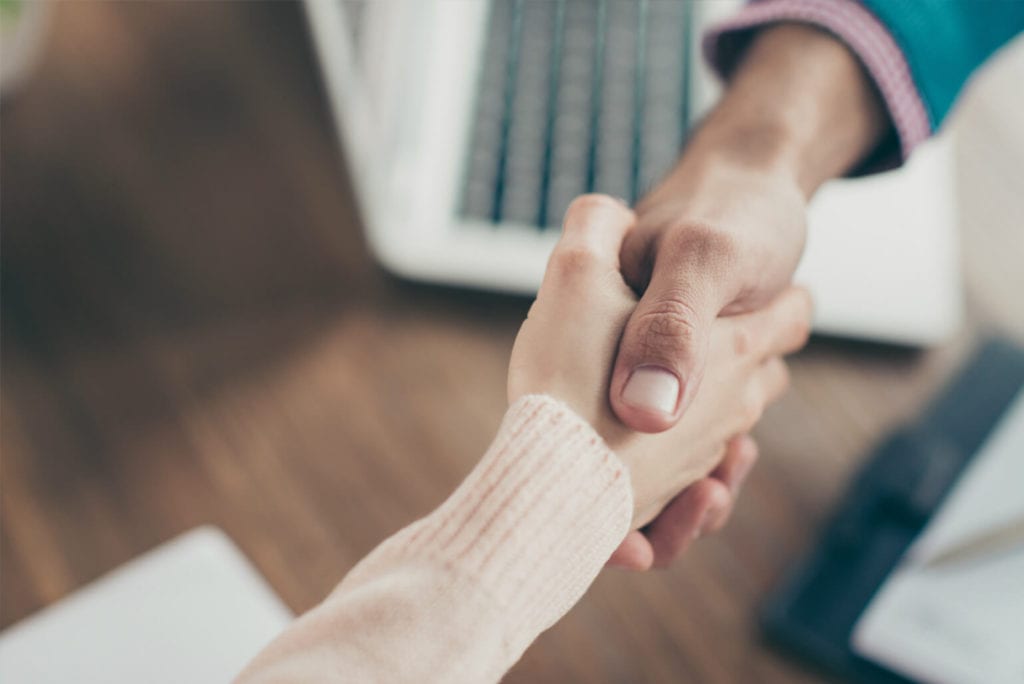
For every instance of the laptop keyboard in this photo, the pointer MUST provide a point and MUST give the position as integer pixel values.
(576, 96)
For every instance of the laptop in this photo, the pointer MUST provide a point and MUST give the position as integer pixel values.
(469, 126)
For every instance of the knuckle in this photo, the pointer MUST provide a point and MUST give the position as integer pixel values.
(801, 332)
(751, 408)
(668, 327)
(710, 493)
(776, 383)
(591, 202)
(806, 301)
(785, 378)
(742, 341)
(801, 324)
(701, 243)
(569, 263)
(587, 213)
(754, 453)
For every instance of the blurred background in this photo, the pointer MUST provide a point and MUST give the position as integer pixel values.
(194, 331)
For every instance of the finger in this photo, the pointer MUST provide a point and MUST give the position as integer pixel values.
(634, 553)
(686, 517)
(773, 378)
(664, 346)
(740, 456)
(636, 258)
(780, 328)
(589, 246)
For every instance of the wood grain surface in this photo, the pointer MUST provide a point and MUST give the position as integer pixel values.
(193, 331)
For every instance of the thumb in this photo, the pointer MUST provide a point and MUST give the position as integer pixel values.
(664, 346)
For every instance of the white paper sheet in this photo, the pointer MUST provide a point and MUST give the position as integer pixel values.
(192, 610)
(963, 622)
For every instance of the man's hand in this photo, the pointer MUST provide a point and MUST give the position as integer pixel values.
(714, 238)
(724, 231)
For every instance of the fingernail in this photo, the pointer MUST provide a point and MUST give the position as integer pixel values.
(653, 389)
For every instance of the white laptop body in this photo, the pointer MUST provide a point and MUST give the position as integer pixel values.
(403, 77)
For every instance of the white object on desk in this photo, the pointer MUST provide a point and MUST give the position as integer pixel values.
(402, 78)
(962, 622)
(193, 610)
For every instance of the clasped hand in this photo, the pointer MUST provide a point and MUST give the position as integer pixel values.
(683, 477)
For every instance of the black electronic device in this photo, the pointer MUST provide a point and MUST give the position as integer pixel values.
(888, 504)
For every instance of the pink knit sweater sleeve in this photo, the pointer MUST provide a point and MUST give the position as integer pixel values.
(459, 595)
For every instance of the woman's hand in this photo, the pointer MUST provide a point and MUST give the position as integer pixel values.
(567, 345)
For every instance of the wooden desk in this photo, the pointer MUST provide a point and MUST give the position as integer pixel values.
(194, 332)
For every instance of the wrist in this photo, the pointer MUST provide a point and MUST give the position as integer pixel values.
(721, 173)
(798, 104)
(761, 147)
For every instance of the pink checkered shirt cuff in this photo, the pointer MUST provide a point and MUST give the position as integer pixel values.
(863, 33)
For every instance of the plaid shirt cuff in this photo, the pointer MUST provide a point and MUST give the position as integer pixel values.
(865, 36)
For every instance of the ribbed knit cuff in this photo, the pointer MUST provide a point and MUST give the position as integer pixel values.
(532, 525)
(866, 37)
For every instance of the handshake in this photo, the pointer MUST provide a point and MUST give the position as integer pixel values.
(673, 380)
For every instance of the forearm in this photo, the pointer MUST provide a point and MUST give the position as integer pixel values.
(458, 595)
(799, 105)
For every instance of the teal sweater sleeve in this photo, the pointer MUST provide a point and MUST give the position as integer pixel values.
(944, 41)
